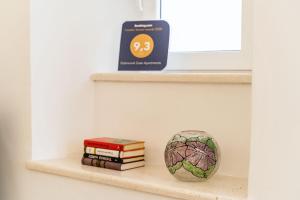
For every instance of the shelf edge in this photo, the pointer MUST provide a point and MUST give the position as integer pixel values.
(201, 77)
(121, 182)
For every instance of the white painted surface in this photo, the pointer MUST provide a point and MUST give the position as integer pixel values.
(68, 43)
(149, 179)
(70, 40)
(16, 183)
(157, 77)
(49, 187)
(275, 163)
(154, 112)
(14, 98)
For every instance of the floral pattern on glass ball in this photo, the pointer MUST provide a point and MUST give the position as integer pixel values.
(193, 153)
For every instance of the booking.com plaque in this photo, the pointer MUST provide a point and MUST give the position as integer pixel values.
(144, 45)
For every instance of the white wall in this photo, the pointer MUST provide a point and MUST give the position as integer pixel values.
(154, 112)
(59, 81)
(14, 97)
(69, 41)
(275, 162)
(49, 187)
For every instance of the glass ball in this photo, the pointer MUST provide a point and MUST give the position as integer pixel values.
(192, 155)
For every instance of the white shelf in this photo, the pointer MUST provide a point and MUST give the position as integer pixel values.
(150, 179)
(168, 77)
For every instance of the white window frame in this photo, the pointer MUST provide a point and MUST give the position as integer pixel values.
(210, 60)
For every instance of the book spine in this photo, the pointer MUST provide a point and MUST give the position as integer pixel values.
(102, 152)
(104, 158)
(101, 163)
(103, 145)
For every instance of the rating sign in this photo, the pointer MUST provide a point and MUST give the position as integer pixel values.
(144, 45)
(141, 46)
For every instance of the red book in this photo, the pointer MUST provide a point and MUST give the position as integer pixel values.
(114, 144)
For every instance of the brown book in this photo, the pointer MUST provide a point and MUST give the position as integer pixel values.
(111, 165)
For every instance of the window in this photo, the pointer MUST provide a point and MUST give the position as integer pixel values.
(206, 34)
(203, 25)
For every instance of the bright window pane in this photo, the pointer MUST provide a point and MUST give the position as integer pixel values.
(203, 25)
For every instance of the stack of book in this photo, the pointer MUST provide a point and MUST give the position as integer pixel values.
(112, 153)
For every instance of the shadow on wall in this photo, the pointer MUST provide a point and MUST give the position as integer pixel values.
(8, 154)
